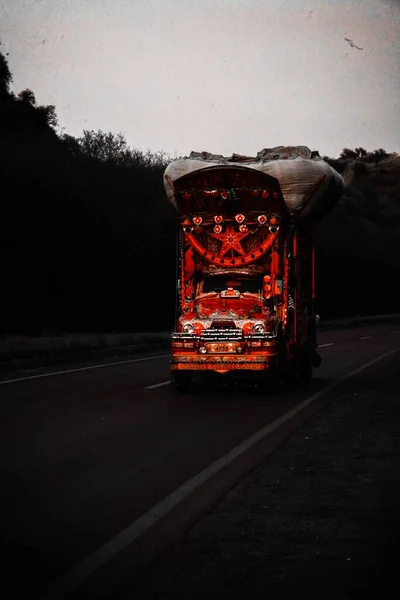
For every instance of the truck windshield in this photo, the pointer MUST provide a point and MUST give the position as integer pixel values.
(218, 283)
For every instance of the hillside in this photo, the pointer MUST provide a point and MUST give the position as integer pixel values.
(359, 242)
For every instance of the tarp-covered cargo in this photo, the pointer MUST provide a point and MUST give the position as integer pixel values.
(310, 187)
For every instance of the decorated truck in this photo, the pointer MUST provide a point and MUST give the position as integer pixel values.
(246, 262)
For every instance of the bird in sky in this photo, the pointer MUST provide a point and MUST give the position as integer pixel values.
(352, 44)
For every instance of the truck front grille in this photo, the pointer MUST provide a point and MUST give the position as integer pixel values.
(225, 334)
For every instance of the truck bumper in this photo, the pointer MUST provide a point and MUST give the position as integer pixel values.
(225, 363)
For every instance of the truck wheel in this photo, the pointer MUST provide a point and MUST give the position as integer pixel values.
(275, 381)
(291, 377)
(181, 382)
(306, 368)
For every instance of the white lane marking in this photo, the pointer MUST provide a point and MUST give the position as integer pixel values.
(151, 387)
(73, 578)
(366, 337)
(121, 362)
(324, 345)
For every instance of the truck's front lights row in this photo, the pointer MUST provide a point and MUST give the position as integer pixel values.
(190, 328)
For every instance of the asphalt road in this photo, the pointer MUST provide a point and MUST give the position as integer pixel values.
(87, 453)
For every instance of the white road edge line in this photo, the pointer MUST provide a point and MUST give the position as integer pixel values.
(366, 337)
(121, 362)
(72, 579)
(324, 345)
(152, 387)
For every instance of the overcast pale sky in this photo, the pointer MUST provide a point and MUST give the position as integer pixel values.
(218, 75)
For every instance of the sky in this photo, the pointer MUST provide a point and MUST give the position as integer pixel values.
(222, 76)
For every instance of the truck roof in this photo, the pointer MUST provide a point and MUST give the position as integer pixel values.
(308, 184)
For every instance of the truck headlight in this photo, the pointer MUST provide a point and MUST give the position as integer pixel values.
(188, 328)
(259, 327)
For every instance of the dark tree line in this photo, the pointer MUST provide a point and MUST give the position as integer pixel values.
(88, 239)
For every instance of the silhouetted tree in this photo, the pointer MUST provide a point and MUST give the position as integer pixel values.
(27, 96)
(44, 114)
(72, 145)
(348, 153)
(360, 152)
(104, 147)
(113, 149)
(47, 115)
(377, 155)
(5, 75)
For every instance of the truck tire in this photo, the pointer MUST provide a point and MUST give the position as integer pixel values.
(291, 374)
(275, 381)
(181, 382)
(306, 367)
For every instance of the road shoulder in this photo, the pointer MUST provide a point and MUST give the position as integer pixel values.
(319, 519)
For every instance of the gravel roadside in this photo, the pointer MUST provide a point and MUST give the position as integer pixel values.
(320, 519)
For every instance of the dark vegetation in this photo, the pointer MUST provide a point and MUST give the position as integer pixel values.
(88, 238)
